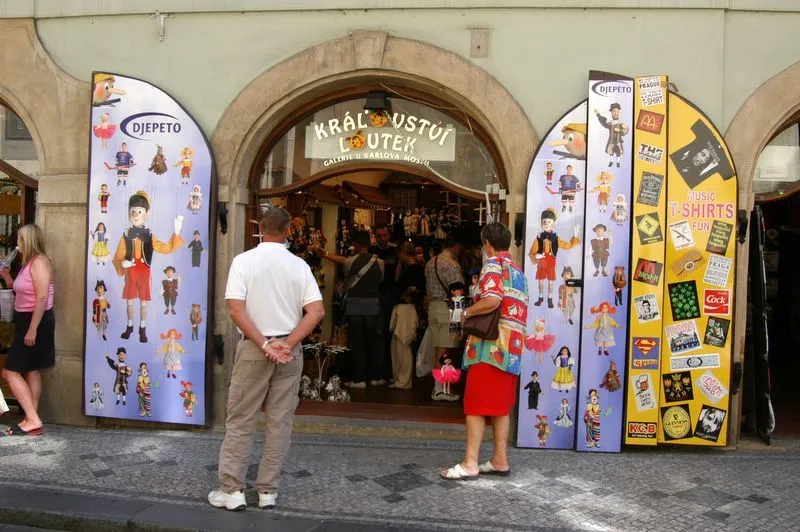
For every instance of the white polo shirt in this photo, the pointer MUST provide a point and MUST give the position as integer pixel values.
(275, 286)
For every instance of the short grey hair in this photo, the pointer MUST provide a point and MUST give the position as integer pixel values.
(497, 235)
(275, 221)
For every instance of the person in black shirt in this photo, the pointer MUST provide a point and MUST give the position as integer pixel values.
(386, 250)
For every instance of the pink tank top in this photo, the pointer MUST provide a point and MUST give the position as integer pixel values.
(24, 293)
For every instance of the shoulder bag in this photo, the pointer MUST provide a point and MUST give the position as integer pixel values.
(485, 326)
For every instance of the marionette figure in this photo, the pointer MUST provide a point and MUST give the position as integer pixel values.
(408, 224)
(534, 389)
(619, 281)
(185, 164)
(415, 219)
(100, 250)
(104, 130)
(342, 238)
(189, 398)
(611, 381)
(616, 130)
(143, 390)
(601, 246)
(603, 190)
(447, 374)
(440, 233)
(591, 417)
(456, 304)
(564, 380)
(544, 251)
(568, 187)
(103, 90)
(564, 420)
(424, 224)
(548, 174)
(123, 161)
(603, 326)
(134, 256)
(566, 295)
(475, 287)
(100, 307)
(195, 319)
(543, 429)
(97, 397)
(197, 248)
(172, 352)
(540, 342)
(620, 214)
(169, 289)
(317, 238)
(159, 164)
(104, 196)
(122, 372)
(195, 200)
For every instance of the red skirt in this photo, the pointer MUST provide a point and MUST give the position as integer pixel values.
(489, 392)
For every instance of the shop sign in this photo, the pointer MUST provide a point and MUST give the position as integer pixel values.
(376, 135)
(639, 429)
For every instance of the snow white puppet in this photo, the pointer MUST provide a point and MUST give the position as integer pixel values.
(544, 251)
(134, 256)
(100, 307)
(100, 250)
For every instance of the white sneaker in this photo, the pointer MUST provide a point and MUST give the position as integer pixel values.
(379, 382)
(230, 501)
(358, 385)
(438, 396)
(267, 500)
(451, 397)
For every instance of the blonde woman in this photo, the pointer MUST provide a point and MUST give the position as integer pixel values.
(34, 326)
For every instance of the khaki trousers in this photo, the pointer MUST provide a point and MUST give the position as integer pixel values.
(257, 381)
(402, 362)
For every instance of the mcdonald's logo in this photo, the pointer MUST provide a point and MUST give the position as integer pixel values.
(650, 122)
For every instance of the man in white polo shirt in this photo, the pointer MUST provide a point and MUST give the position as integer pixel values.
(274, 300)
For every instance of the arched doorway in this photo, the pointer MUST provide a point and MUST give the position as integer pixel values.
(342, 70)
(19, 166)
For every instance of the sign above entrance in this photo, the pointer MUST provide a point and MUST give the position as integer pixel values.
(376, 135)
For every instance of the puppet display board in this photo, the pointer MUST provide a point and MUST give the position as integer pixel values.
(148, 262)
(555, 205)
(699, 280)
(606, 257)
(648, 213)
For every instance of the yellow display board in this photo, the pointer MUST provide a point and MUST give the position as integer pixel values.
(699, 266)
(646, 290)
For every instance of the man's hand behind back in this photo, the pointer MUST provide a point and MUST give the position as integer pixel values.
(278, 351)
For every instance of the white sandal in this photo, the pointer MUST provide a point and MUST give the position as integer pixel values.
(457, 472)
(489, 469)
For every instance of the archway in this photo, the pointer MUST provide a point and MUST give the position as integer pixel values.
(773, 107)
(363, 58)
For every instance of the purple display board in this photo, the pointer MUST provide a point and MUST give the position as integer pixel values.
(149, 256)
(606, 260)
(553, 261)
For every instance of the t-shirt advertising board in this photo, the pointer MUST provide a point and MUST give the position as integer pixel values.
(555, 205)
(151, 231)
(648, 211)
(606, 258)
(699, 280)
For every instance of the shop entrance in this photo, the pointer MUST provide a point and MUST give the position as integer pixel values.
(377, 161)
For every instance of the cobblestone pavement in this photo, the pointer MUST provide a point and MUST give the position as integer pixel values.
(383, 482)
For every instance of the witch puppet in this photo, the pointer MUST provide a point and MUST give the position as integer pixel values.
(616, 130)
(544, 251)
(159, 164)
(134, 256)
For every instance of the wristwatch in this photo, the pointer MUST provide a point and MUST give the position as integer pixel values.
(265, 344)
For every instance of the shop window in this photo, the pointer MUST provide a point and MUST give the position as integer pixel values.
(366, 132)
(778, 169)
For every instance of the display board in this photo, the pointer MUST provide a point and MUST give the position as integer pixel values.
(606, 256)
(648, 212)
(149, 256)
(699, 280)
(548, 403)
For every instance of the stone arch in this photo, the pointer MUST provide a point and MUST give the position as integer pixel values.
(371, 55)
(52, 103)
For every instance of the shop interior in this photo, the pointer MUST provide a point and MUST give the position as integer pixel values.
(777, 188)
(330, 200)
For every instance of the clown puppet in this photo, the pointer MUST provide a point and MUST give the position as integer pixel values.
(544, 251)
(134, 256)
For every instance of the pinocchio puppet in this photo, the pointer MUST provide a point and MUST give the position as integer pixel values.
(544, 251)
(134, 256)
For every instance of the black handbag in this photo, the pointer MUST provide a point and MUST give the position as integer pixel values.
(486, 326)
